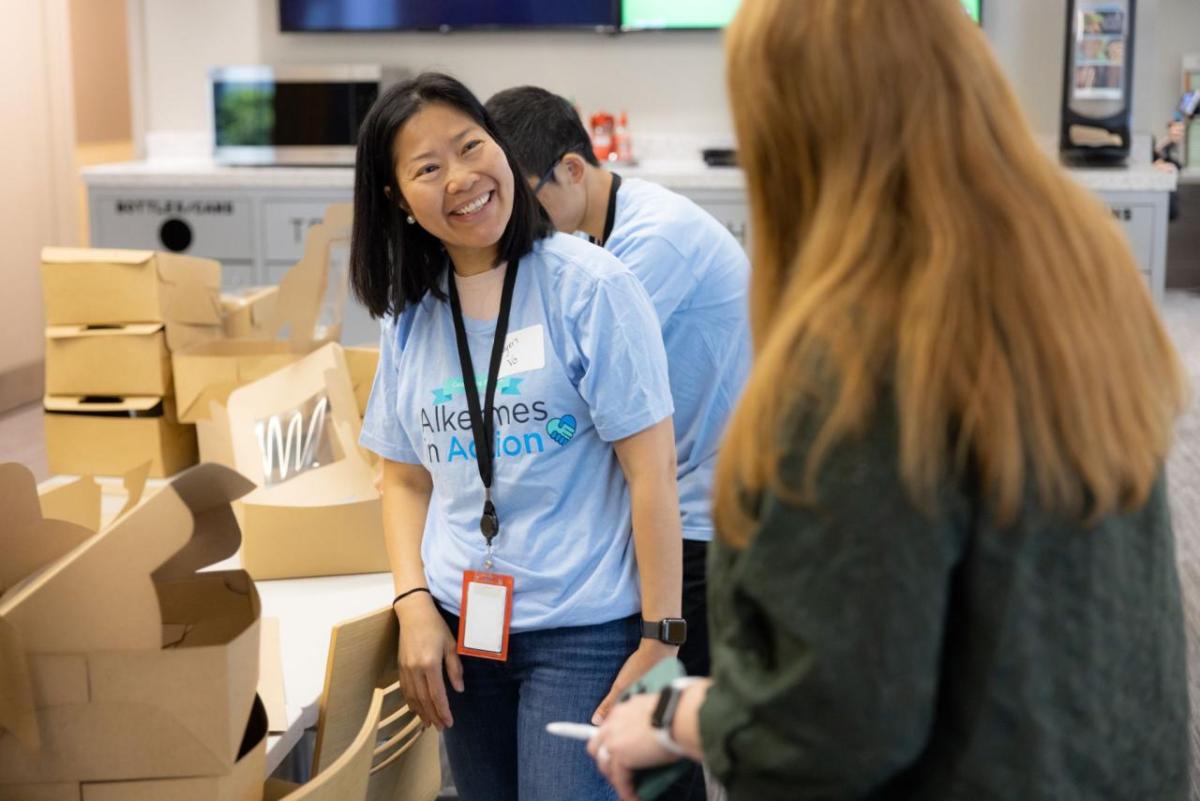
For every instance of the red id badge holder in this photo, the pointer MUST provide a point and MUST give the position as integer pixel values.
(485, 614)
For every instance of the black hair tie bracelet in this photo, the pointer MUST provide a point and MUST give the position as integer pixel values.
(407, 593)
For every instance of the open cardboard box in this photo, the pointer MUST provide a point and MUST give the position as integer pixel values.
(130, 359)
(123, 663)
(99, 435)
(243, 783)
(210, 371)
(316, 511)
(363, 362)
(101, 286)
(308, 306)
(76, 502)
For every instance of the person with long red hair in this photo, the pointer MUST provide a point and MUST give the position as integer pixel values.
(945, 567)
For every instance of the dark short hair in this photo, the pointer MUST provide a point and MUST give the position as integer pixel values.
(541, 127)
(393, 264)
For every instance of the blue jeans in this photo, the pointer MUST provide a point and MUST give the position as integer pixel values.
(498, 746)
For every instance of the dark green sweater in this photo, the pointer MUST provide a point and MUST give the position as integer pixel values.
(862, 650)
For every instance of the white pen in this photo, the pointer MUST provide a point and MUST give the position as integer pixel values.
(574, 731)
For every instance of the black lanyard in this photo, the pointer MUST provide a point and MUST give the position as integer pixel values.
(610, 217)
(482, 421)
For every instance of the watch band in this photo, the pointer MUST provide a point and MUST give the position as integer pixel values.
(671, 630)
(664, 713)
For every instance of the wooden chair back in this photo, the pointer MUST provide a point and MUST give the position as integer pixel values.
(405, 764)
(347, 777)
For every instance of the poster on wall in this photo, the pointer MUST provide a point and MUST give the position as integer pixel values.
(1100, 35)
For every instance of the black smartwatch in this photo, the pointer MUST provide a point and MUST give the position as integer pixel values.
(664, 713)
(671, 630)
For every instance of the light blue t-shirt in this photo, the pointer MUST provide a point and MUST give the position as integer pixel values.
(697, 276)
(584, 365)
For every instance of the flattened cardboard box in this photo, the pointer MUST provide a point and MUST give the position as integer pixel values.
(127, 359)
(108, 436)
(125, 663)
(91, 286)
(316, 511)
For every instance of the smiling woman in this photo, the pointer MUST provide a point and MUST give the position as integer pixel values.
(456, 183)
(525, 477)
(425, 150)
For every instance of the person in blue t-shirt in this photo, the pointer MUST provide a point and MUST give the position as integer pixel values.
(697, 276)
(544, 479)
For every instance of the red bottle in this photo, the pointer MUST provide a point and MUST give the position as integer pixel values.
(602, 135)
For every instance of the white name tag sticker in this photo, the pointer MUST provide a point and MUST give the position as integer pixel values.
(524, 350)
(485, 614)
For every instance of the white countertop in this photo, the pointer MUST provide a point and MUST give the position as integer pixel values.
(204, 174)
(684, 175)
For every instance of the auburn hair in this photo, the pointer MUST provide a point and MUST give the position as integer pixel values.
(908, 233)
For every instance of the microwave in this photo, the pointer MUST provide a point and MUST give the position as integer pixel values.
(285, 115)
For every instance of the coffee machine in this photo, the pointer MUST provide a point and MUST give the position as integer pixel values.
(1097, 98)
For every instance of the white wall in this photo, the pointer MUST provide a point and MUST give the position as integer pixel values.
(669, 82)
(1028, 38)
(37, 195)
(666, 81)
(180, 41)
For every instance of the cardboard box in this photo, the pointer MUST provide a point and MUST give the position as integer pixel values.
(363, 362)
(43, 538)
(312, 294)
(76, 502)
(243, 783)
(110, 435)
(129, 359)
(307, 307)
(96, 286)
(124, 663)
(210, 371)
(316, 511)
(246, 314)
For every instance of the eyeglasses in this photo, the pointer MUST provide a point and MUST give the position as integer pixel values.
(548, 175)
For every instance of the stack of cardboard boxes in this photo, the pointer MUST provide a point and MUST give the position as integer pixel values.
(146, 361)
(113, 318)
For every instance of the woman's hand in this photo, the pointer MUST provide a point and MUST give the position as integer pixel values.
(647, 655)
(426, 643)
(626, 742)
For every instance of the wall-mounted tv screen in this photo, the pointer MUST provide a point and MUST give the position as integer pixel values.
(298, 16)
(974, 9)
(641, 15)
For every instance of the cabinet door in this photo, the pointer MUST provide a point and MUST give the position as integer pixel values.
(1137, 220)
(238, 275)
(286, 222)
(202, 224)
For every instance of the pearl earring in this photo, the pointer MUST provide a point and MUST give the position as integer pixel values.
(411, 219)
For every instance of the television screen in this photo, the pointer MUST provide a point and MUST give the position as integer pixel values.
(975, 9)
(676, 14)
(407, 15)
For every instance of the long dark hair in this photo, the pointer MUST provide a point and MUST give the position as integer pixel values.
(393, 264)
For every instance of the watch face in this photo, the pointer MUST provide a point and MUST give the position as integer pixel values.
(674, 631)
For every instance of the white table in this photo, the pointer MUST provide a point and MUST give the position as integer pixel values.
(307, 610)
